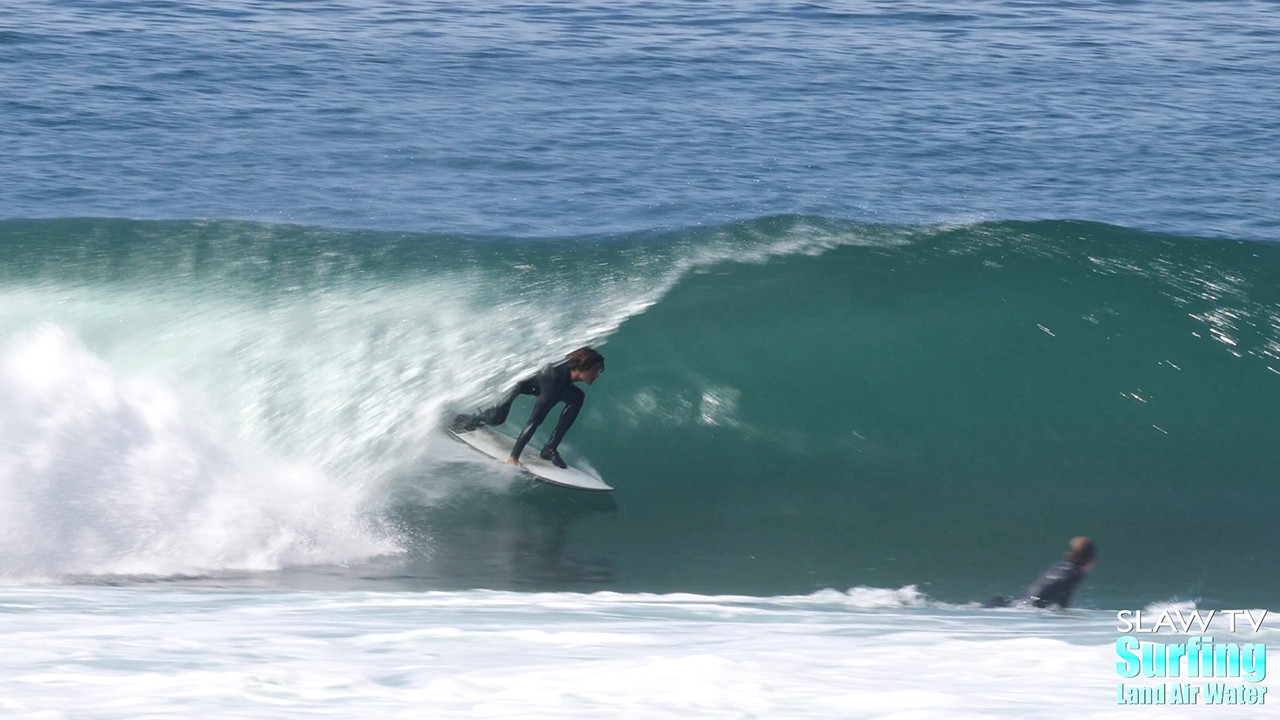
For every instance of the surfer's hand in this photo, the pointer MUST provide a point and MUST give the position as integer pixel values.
(513, 461)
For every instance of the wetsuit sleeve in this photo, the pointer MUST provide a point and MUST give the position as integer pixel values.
(1056, 585)
(545, 399)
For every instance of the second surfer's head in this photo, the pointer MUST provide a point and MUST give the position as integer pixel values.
(1082, 552)
(586, 364)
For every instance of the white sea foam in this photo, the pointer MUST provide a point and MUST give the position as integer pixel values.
(97, 652)
(102, 474)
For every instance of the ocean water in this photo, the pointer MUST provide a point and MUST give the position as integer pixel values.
(566, 118)
(896, 299)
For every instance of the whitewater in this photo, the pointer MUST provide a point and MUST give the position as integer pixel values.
(154, 652)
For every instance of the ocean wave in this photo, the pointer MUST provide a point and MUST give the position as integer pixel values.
(791, 403)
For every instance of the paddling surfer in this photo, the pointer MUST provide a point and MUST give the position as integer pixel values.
(1056, 585)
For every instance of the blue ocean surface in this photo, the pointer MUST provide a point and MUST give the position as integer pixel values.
(896, 298)
(569, 118)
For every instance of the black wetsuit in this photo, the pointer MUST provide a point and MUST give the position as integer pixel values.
(551, 385)
(1055, 586)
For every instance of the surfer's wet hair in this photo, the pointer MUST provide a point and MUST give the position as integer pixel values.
(585, 359)
(1082, 551)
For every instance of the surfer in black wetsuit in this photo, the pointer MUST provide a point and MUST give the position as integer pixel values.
(1056, 585)
(552, 384)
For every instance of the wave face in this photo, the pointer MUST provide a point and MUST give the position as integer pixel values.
(791, 403)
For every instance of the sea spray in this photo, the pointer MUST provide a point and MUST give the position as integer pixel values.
(101, 474)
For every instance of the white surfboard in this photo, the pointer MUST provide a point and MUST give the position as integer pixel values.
(498, 446)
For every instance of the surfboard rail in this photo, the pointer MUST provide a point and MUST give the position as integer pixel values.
(497, 446)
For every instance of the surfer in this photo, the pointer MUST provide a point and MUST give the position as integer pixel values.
(553, 384)
(1056, 585)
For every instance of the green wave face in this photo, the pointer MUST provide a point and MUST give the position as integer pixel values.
(953, 410)
(790, 403)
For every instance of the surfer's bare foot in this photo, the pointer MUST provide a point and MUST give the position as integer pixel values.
(513, 461)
